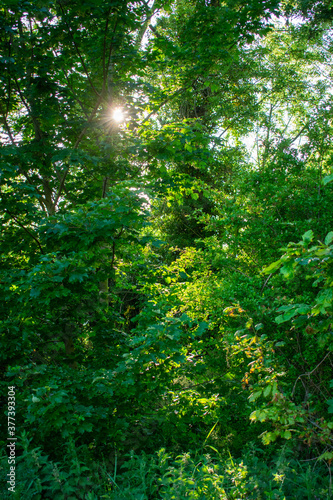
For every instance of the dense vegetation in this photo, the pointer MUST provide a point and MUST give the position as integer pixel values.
(166, 268)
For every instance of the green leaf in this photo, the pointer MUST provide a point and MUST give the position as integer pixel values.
(328, 455)
(269, 437)
(201, 328)
(288, 269)
(330, 405)
(308, 236)
(255, 395)
(267, 391)
(249, 323)
(329, 238)
(272, 267)
(285, 317)
(327, 179)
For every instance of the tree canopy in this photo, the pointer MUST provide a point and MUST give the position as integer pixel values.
(166, 249)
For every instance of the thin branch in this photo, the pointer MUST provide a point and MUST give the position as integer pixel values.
(216, 139)
(9, 78)
(291, 141)
(106, 82)
(22, 96)
(113, 253)
(41, 198)
(183, 89)
(104, 49)
(25, 229)
(111, 46)
(307, 374)
(7, 127)
(286, 127)
(79, 139)
(150, 12)
(311, 459)
(79, 53)
(269, 277)
(266, 150)
(238, 271)
(169, 98)
(75, 97)
(105, 186)
(211, 381)
(318, 427)
(90, 119)
(38, 132)
(299, 133)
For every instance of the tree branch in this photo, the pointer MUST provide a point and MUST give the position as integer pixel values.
(78, 52)
(79, 139)
(104, 50)
(307, 374)
(25, 229)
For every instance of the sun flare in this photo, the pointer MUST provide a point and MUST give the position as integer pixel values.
(118, 115)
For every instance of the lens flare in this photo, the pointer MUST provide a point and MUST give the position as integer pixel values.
(118, 115)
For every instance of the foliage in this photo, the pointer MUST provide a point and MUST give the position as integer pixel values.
(153, 306)
(206, 476)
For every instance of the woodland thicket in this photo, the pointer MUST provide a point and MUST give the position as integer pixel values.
(166, 267)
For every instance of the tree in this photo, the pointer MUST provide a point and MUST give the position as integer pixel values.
(135, 312)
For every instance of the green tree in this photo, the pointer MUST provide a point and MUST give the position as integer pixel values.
(134, 310)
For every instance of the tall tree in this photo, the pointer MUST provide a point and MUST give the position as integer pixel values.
(126, 125)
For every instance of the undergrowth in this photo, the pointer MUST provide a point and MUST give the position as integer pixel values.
(164, 475)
